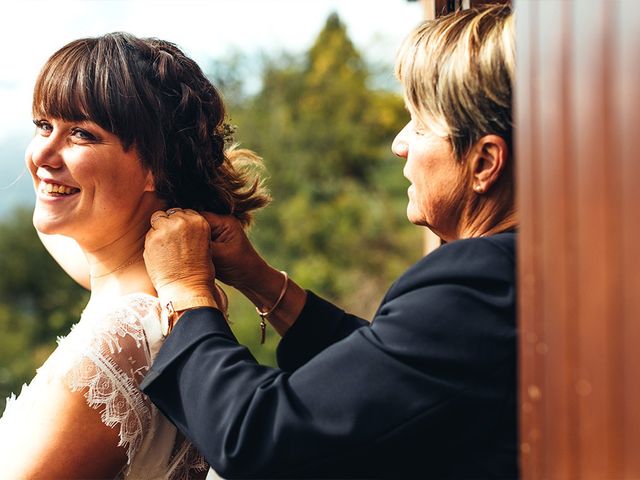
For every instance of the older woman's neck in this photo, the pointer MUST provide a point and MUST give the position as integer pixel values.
(489, 214)
(491, 226)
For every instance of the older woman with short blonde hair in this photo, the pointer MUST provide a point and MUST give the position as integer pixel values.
(428, 388)
(457, 78)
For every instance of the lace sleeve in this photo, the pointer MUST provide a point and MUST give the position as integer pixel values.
(106, 355)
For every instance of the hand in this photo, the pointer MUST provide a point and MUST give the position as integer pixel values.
(239, 265)
(177, 254)
(235, 260)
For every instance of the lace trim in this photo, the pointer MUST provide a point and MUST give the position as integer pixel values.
(112, 380)
(108, 353)
(122, 406)
(108, 385)
(187, 460)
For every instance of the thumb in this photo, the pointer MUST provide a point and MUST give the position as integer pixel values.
(218, 223)
(223, 227)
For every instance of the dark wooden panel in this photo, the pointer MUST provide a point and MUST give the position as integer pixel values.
(526, 175)
(554, 192)
(594, 240)
(578, 116)
(625, 68)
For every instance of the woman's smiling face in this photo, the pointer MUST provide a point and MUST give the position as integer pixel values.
(87, 185)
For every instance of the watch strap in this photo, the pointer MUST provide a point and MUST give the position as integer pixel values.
(172, 309)
(187, 303)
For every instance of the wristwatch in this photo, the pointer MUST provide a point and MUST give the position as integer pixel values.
(172, 309)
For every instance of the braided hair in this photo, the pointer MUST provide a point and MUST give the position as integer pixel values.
(155, 98)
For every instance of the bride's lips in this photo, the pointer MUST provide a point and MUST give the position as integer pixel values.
(52, 188)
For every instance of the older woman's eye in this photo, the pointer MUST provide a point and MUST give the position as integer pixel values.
(419, 130)
(43, 126)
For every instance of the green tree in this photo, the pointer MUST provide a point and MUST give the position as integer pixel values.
(337, 222)
(38, 302)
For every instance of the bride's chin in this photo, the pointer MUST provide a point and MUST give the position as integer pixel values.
(47, 226)
(45, 230)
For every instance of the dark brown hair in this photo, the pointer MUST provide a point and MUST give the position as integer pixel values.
(153, 97)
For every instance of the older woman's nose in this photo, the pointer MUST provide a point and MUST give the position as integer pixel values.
(400, 146)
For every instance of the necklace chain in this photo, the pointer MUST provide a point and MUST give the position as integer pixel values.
(121, 267)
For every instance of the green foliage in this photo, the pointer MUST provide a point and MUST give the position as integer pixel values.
(336, 224)
(38, 302)
(245, 324)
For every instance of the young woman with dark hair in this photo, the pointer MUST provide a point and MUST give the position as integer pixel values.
(124, 126)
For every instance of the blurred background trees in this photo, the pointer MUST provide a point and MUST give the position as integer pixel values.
(38, 302)
(324, 127)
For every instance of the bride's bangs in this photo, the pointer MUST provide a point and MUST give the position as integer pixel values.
(64, 86)
(76, 84)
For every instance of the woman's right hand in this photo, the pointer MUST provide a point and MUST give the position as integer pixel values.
(238, 264)
(236, 261)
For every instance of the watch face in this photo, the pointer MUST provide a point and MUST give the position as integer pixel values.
(164, 322)
(167, 318)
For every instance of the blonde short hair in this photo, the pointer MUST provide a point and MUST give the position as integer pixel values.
(457, 72)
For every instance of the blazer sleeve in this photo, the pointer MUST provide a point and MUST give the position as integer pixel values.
(319, 325)
(444, 333)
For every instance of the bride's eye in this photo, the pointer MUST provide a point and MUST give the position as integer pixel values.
(43, 127)
(83, 135)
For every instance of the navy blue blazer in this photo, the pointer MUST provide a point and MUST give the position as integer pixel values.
(427, 390)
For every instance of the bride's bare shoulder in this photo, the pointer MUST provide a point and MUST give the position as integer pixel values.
(83, 415)
(62, 437)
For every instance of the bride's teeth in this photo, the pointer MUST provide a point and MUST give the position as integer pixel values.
(59, 189)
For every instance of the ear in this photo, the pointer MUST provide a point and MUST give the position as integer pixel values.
(149, 182)
(487, 160)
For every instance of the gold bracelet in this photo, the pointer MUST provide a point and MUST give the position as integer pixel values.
(264, 315)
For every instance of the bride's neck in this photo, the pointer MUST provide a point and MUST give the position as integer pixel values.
(117, 268)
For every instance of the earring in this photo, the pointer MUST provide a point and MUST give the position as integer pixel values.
(478, 189)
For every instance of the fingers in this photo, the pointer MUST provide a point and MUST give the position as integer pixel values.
(213, 218)
(222, 226)
(187, 211)
(157, 216)
(187, 217)
(215, 221)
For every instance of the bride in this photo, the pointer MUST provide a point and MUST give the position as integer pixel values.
(124, 127)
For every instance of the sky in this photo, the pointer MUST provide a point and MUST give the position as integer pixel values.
(31, 30)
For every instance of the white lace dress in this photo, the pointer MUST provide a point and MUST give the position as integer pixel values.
(106, 355)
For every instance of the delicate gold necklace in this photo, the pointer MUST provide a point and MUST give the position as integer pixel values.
(126, 264)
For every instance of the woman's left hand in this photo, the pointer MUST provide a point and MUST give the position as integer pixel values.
(177, 254)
